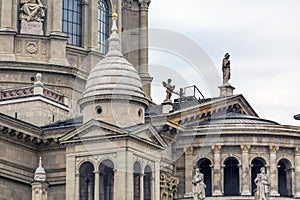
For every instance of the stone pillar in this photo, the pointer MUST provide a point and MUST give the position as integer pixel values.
(297, 173)
(273, 171)
(246, 191)
(142, 186)
(72, 181)
(217, 171)
(77, 186)
(121, 186)
(58, 50)
(6, 11)
(188, 171)
(143, 51)
(90, 25)
(97, 185)
(56, 21)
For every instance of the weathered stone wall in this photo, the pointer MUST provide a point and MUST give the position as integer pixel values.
(14, 190)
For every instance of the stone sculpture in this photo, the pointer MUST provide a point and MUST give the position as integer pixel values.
(198, 186)
(262, 191)
(169, 90)
(168, 186)
(226, 68)
(32, 10)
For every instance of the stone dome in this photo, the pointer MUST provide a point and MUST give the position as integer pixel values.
(114, 75)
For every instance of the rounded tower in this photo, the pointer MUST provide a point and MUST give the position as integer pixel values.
(113, 91)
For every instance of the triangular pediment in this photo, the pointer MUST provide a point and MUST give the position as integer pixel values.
(93, 130)
(148, 134)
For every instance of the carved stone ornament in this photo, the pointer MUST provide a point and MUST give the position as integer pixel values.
(216, 148)
(297, 151)
(31, 47)
(245, 148)
(127, 3)
(274, 149)
(189, 150)
(32, 10)
(168, 186)
(144, 3)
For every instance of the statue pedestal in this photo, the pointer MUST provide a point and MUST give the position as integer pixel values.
(29, 27)
(226, 90)
(167, 106)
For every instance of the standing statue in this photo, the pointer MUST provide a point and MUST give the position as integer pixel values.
(226, 68)
(198, 186)
(32, 10)
(262, 191)
(169, 90)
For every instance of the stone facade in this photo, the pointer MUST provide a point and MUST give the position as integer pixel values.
(115, 141)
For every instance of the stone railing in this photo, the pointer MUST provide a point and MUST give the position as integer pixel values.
(15, 93)
(33, 90)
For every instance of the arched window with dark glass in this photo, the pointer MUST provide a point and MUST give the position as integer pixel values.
(137, 170)
(205, 168)
(231, 177)
(106, 170)
(87, 181)
(103, 26)
(256, 165)
(147, 183)
(284, 178)
(72, 21)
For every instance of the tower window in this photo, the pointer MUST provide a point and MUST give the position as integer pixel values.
(87, 181)
(103, 26)
(72, 21)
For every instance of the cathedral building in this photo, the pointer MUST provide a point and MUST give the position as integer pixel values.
(77, 121)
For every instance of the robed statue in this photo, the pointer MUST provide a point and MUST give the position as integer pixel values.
(32, 10)
(226, 68)
(198, 185)
(262, 191)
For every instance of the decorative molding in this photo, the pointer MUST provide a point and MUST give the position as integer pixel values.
(297, 151)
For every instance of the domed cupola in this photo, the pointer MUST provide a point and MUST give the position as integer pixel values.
(113, 90)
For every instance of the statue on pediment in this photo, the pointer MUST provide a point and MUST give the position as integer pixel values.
(226, 68)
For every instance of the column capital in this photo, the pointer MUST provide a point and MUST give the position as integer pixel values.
(216, 148)
(273, 149)
(144, 3)
(245, 148)
(297, 151)
(189, 150)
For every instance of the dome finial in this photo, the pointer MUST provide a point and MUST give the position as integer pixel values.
(40, 174)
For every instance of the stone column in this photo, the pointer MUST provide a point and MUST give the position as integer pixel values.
(188, 171)
(245, 171)
(273, 171)
(6, 15)
(97, 185)
(143, 51)
(142, 186)
(77, 185)
(297, 173)
(56, 26)
(71, 181)
(90, 25)
(217, 171)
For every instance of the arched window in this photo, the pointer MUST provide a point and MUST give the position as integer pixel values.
(106, 169)
(284, 178)
(147, 183)
(72, 21)
(137, 180)
(103, 26)
(87, 181)
(231, 177)
(256, 165)
(204, 166)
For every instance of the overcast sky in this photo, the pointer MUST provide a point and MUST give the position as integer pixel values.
(262, 36)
